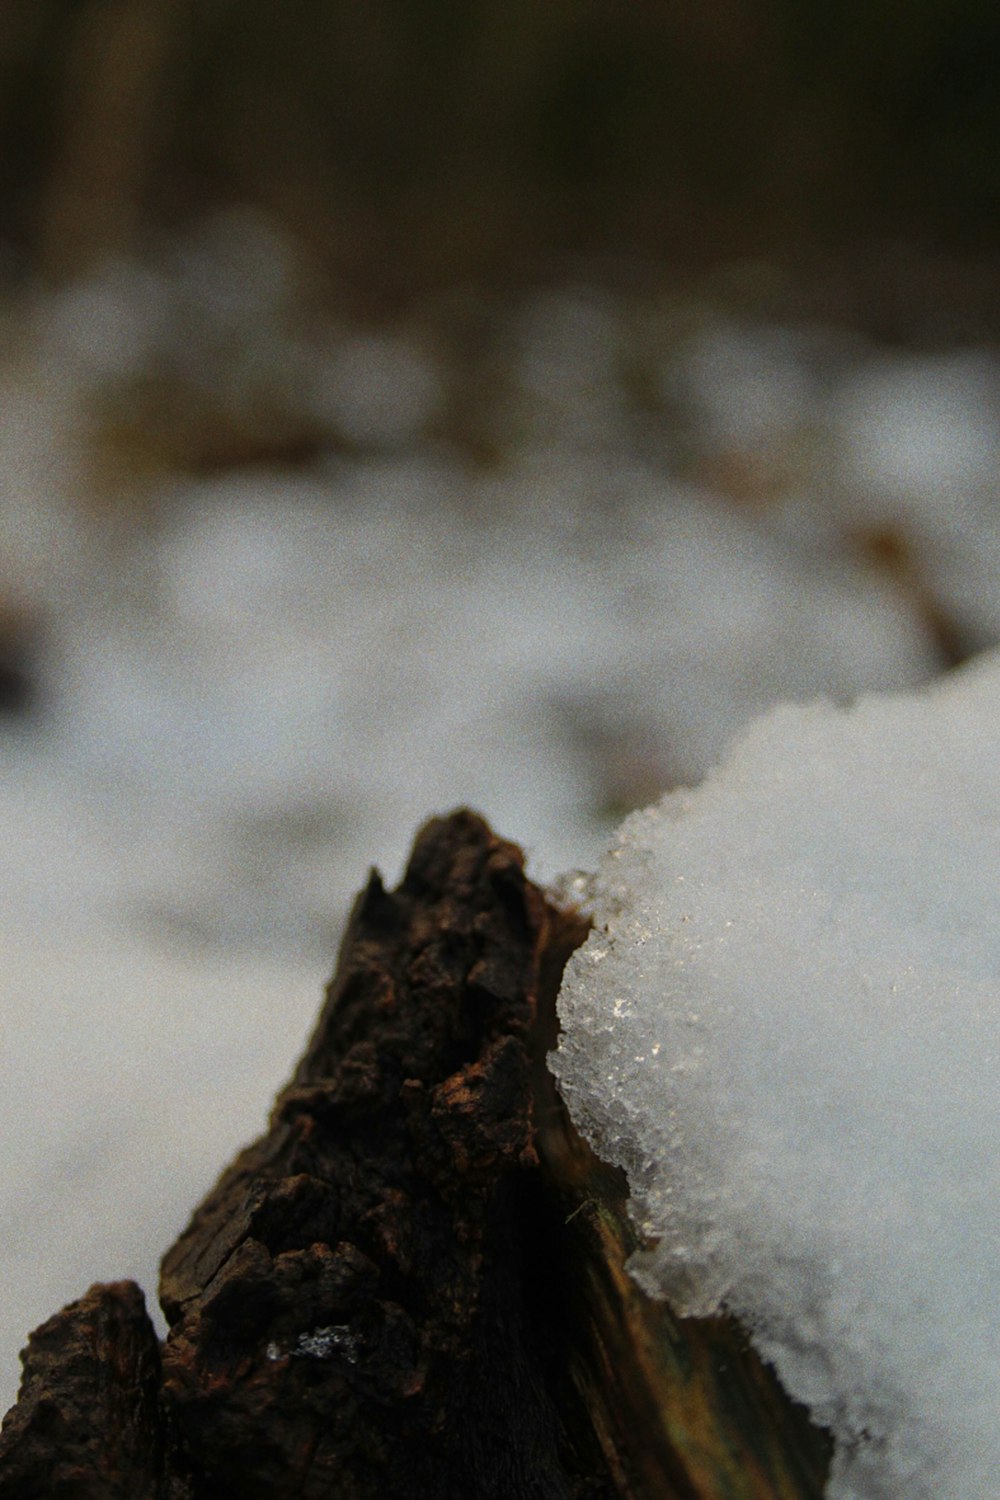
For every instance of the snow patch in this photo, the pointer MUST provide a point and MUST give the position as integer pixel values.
(786, 1027)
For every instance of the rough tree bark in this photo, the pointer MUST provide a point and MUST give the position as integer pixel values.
(414, 1285)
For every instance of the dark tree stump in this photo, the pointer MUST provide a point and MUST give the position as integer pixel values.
(413, 1286)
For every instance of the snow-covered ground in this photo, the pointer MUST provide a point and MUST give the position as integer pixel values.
(301, 584)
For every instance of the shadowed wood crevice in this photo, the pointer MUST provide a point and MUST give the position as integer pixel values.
(414, 1284)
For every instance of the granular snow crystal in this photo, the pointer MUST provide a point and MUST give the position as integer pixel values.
(785, 1026)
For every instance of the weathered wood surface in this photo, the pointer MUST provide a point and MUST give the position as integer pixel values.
(414, 1285)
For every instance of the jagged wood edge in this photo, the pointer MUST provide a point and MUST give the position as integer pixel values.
(611, 1395)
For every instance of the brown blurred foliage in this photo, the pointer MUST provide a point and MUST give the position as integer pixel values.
(416, 139)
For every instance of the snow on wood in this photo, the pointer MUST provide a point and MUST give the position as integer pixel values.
(786, 1027)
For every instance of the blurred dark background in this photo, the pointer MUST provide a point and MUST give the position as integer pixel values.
(415, 143)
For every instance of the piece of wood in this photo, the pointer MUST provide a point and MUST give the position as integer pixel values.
(87, 1423)
(414, 1284)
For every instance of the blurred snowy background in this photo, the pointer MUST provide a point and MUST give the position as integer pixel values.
(302, 540)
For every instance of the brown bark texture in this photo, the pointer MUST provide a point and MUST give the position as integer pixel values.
(414, 1284)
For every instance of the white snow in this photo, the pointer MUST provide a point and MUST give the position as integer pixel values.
(786, 1027)
(304, 580)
